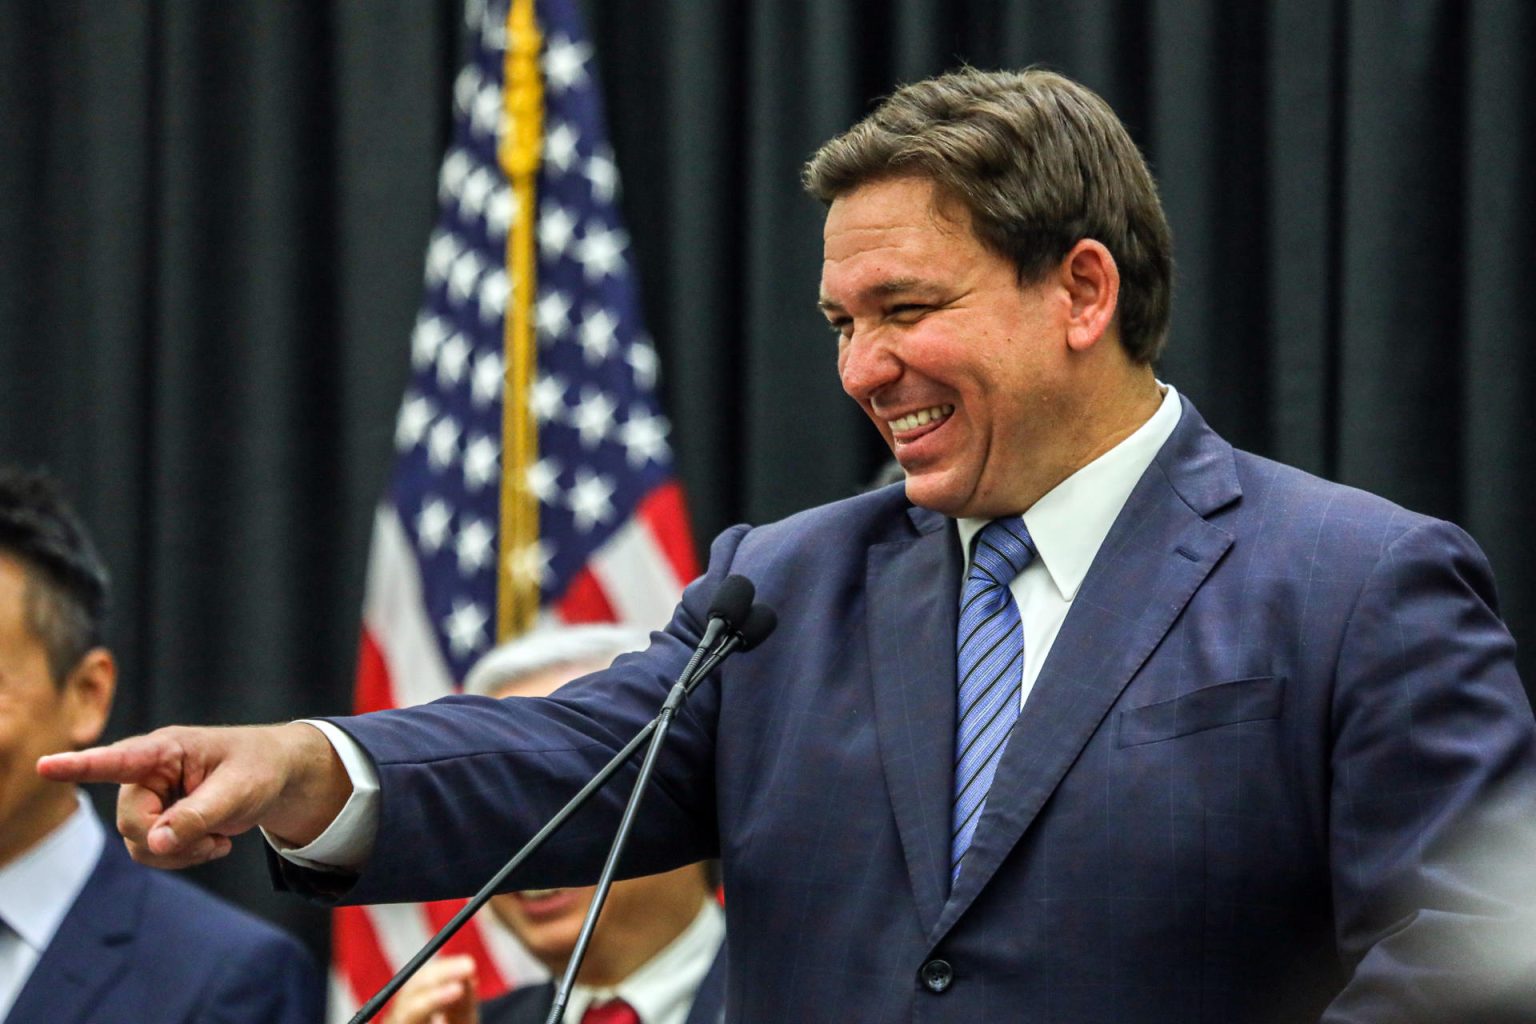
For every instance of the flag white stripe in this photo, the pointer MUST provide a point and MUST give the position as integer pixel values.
(344, 1001)
(395, 613)
(636, 577)
(401, 930)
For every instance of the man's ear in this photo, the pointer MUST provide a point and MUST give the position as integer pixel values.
(88, 692)
(1092, 280)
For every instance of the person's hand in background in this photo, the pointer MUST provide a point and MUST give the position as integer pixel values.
(442, 992)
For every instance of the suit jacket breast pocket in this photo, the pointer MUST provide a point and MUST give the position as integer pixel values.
(1241, 700)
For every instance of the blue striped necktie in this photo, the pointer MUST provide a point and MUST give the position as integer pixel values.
(990, 667)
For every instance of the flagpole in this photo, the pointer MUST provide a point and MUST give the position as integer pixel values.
(519, 151)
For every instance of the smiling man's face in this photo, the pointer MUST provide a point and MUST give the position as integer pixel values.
(963, 370)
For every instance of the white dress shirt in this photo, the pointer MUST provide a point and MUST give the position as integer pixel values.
(1068, 525)
(662, 990)
(36, 891)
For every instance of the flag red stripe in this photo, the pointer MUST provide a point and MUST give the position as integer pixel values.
(356, 952)
(665, 515)
(584, 600)
(374, 689)
(489, 982)
(355, 949)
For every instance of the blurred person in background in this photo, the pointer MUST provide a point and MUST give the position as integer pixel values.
(657, 956)
(86, 935)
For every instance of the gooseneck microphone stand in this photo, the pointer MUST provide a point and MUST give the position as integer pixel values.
(760, 621)
(734, 624)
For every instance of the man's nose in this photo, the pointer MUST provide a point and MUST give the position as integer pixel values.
(867, 363)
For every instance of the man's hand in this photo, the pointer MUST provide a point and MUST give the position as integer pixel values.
(185, 791)
(442, 992)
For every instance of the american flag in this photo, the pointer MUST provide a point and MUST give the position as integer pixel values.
(485, 529)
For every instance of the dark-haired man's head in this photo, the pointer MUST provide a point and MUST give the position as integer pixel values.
(67, 583)
(997, 267)
(56, 680)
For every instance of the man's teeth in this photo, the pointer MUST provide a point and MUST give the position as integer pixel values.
(913, 420)
(538, 894)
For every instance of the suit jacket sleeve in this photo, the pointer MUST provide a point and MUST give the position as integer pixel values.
(465, 780)
(1432, 802)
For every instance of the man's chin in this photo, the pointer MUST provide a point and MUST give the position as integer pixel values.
(935, 491)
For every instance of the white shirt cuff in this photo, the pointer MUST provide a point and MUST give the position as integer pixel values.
(348, 840)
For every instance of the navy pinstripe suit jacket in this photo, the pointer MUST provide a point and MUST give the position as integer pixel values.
(1278, 766)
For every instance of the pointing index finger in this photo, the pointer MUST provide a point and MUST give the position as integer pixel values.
(125, 761)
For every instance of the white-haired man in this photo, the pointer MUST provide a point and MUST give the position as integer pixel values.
(657, 956)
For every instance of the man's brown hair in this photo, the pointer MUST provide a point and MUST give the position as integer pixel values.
(1039, 161)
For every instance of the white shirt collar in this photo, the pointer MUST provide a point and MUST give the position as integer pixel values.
(38, 888)
(662, 989)
(1070, 521)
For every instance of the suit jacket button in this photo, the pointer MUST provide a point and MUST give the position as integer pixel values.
(936, 975)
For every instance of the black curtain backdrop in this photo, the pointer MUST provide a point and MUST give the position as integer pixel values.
(212, 221)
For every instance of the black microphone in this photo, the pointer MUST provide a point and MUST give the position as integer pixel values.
(728, 611)
(730, 606)
(734, 623)
(761, 621)
(733, 600)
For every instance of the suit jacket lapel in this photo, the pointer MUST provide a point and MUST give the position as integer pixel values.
(1159, 551)
(914, 586)
(90, 949)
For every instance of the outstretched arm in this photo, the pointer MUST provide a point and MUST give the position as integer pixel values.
(186, 791)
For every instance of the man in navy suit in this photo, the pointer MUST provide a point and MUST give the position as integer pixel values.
(1095, 719)
(86, 935)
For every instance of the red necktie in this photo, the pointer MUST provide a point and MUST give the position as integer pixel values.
(616, 1011)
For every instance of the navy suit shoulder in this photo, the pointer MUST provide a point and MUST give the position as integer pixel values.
(800, 543)
(142, 947)
(1344, 512)
(1272, 499)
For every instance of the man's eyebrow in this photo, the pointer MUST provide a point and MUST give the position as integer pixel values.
(885, 289)
(904, 285)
